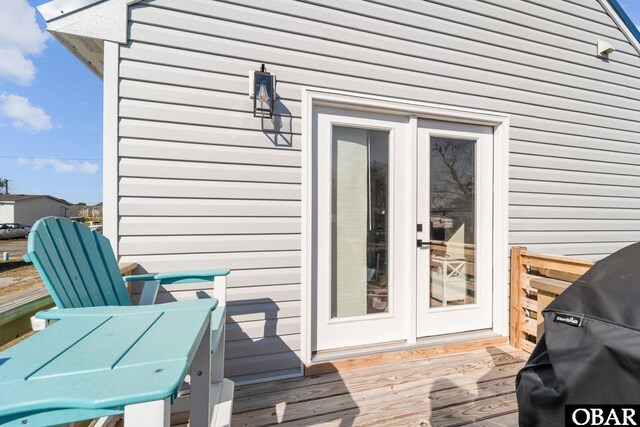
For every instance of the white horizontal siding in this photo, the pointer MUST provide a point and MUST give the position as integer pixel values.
(263, 309)
(152, 187)
(155, 245)
(208, 171)
(263, 328)
(599, 154)
(414, 15)
(527, 173)
(274, 276)
(172, 113)
(277, 293)
(580, 225)
(144, 206)
(495, 71)
(176, 226)
(477, 82)
(397, 83)
(290, 292)
(203, 185)
(411, 53)
(193, 97)
(561, 18)
(579, 237)
(235, 261)
(237, 296)
(564, 188)
(263, 346)
(250, 368)
(546, 137)
(588, 251)
(581, 3)
(181, 151)
(571, 212)
(129, 128)
(571, 200)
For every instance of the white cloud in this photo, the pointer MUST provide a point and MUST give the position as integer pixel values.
(61, 166)
(23, 114)
(20, 37)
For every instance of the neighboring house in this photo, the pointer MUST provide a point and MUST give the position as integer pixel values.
(412, 143)
(85, 211)
(26, 209)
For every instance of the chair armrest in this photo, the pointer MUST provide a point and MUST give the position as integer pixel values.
(140, 277)
(155, 280)
(190, 276)
(179, 276)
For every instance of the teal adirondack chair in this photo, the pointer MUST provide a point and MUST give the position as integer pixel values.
(79, 269)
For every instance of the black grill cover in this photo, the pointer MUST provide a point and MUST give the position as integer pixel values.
(590, 351)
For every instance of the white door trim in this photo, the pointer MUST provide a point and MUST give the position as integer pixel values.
(413, 109)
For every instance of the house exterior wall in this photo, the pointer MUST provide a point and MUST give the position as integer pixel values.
(7, 212)
(28, 211)
(201, 185)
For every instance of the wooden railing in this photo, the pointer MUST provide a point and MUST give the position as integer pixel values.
(536, 279)
(16, 311)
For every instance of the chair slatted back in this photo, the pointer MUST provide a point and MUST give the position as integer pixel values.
(76, 264)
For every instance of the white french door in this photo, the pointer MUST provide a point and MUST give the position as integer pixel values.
(381, 184)
(361, 285)
(454, 231)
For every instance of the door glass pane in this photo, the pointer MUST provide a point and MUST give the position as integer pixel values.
(359, 222)
(453, 201)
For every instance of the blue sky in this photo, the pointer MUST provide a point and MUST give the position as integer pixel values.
(51, 110)
(632, 7)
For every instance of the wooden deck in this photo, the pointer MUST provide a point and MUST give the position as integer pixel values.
(470, 388)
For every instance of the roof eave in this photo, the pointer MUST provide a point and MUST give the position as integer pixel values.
(625, 18)
(57, 8)
(82, 26)
(622, 20)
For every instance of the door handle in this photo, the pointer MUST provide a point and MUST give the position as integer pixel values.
(425, 245)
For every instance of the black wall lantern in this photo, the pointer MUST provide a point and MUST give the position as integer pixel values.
(264, 93)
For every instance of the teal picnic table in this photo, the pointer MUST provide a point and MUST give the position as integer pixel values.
(101, 361)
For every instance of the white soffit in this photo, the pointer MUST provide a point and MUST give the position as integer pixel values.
(82, 26)
(96, 19)
(105, 20)
(88, 50)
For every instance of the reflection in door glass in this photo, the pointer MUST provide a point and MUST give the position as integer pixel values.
(453, 204)
(359, 222)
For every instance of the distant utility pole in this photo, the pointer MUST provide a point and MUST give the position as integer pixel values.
(4, 183)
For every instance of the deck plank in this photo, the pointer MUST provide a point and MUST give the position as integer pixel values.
(507, 420)
(475, 387)
(301, 382)
(465, 414)
(406, 377)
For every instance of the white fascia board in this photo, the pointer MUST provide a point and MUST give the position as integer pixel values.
(57, 8)
(103, 20)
